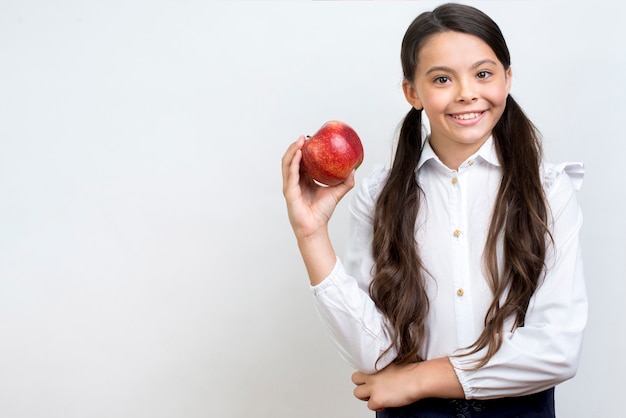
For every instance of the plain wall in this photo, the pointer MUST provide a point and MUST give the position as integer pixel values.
(147, 267)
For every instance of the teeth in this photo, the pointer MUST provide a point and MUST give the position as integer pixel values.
(466, 116)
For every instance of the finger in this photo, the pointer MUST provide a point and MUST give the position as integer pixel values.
(291, 151)
(358, 378)
(373, 406)
(291, 163)
(342, 189)
(362, 392)
(350, 182)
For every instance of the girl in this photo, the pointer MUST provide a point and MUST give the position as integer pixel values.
(462, 291)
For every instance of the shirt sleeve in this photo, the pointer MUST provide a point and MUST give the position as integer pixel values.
(342, 300)
(546, 350)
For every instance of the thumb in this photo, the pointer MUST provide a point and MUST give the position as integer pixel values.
(343, 188)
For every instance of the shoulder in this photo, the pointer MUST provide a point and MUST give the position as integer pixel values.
(567, 175)
(561, 183)
(368, 190)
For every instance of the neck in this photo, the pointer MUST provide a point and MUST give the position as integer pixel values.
(452, 155)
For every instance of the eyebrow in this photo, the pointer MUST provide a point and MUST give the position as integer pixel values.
(448, 69)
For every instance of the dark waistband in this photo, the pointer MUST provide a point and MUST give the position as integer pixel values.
(541, 401)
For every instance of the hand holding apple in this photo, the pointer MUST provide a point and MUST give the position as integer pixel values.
(330, 155)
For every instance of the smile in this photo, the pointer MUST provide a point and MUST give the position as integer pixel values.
(467, 116)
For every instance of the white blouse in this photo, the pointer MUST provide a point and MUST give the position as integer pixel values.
(451, 231)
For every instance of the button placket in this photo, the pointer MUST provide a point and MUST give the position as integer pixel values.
(459, 242)
(455, 218)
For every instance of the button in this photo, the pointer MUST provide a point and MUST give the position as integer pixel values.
(457, 233)
(460, 292)
(454, 180)
(470, 163)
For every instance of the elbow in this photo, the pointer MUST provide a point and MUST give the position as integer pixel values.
(368, 361)
(564, 364)
(572, 352)
(567, 371)
(360, 363)
(562, 354)
(571, 367)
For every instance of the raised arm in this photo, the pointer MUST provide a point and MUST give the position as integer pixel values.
(310, 207)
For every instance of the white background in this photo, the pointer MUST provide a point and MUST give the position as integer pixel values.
(147, 268)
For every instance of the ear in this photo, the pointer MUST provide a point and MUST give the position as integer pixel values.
(509, 79)
(410, 94)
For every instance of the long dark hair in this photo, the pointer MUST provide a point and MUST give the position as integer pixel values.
(518, 222)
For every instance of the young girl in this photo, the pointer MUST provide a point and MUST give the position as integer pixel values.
(462, 290)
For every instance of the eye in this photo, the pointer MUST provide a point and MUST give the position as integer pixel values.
(483, 74)
(442, 79)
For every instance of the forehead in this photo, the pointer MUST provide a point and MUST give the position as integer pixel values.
(453, 49)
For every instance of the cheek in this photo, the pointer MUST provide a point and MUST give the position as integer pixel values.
(436, 103)
(498, 95)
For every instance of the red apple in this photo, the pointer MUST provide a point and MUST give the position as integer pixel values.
(329, 156)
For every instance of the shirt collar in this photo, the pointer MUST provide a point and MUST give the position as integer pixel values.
(427, 154)
(487, 152)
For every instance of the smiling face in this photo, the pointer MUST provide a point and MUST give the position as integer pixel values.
(462, 87)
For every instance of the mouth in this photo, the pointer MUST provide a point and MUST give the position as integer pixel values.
(467, 116)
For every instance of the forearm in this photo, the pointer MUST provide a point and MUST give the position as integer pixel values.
(437, 379)
(532, 360)
(352, 320)
(400, 385)
(309, 208)
(318, 255)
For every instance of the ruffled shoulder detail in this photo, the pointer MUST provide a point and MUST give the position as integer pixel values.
(574, 170)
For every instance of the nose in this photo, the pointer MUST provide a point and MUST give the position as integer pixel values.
(466, 92)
